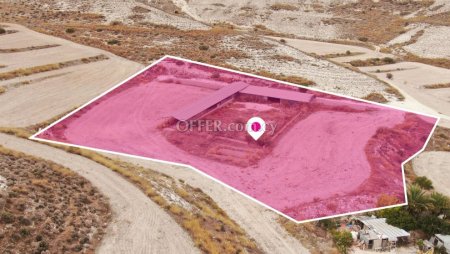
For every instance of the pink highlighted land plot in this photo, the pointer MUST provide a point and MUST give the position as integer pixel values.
(321, 154)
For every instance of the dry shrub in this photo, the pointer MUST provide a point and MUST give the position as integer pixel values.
(284, 7)
(376, 97)
(387, 200)
(437, 86)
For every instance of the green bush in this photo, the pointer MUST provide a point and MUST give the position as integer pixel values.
(398, 217)
(2, 30)
(343, 241)
(424, 182)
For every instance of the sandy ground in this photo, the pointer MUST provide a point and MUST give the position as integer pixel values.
(67, 88)
(434, 43)
(410, 78)
(435, 166)
(138, 225)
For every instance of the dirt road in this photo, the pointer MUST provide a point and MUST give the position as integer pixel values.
(138, 225)
(259, 222)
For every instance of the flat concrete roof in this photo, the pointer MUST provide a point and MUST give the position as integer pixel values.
(212, 99)
(278, 93)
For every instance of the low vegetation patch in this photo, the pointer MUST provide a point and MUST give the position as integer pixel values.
(347, 53)
(283, 7)
(376, 21)
(47, 208)
(315, 236)
(16, 50)
(376, 97)
(49, 67)
(394, 91)
(426, 211)
(440, 140)
(437, 86)
(372, 62)
(438, 62)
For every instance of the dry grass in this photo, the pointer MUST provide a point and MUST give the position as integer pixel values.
(376, 97)
(283, 7)
(2, 89)
(437, 86)
(49, 67)
(348, 53)
(440, 141)
(314, 238)
(438, 62)
(16, 50)
(372, 62)
(441, 19)
(394, 91)
(376, 21)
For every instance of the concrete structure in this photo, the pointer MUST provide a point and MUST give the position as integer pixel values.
(377, 235)
(228, 92)
(439, 241)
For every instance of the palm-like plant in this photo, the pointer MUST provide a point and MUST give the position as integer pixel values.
(417, 200)
(441, 204)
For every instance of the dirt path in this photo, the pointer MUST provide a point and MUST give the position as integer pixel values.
(435, 166)
(259, 222)
(138, 224)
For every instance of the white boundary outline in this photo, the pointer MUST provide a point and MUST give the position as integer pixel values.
(33, 137)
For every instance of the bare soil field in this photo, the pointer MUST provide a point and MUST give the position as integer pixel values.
(340, 51)
(411, 77)
(45, 207)
(434, 165)
(434, 43)
(327, 76)
(138, 225)
(140, 133)
(42, 95)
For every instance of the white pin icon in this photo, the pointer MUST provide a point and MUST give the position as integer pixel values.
(256, 127)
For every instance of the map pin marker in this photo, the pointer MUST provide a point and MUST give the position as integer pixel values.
(256, 127)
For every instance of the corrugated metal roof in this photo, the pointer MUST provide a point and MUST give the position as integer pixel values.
(208, 101)
(278, 93)
(380, 226)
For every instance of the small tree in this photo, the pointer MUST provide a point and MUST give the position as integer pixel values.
(2, 30)
(343, 240)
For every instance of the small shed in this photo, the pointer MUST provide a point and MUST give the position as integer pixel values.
(378, 235)
(439, 240)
